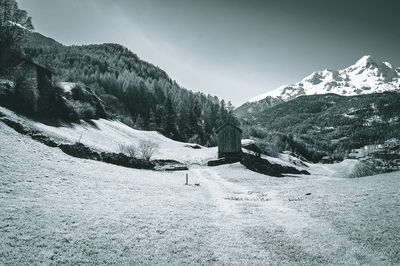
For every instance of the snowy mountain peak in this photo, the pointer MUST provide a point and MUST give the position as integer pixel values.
(364, 61)
(366, 76)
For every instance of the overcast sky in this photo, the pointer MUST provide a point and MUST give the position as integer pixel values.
(230, 48)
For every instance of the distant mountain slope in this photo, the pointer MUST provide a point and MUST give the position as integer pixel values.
(257, 107)
(330, 123)
(365, 77)
(34, 39)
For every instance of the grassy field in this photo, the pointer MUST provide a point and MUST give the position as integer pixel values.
(58, 209)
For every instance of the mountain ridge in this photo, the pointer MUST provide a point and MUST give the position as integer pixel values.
(366, 76)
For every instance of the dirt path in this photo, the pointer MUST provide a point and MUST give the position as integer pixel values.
(263, 225)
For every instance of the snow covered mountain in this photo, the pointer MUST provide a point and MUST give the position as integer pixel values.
(364, 77)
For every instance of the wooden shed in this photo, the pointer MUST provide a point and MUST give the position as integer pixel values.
(229, 141)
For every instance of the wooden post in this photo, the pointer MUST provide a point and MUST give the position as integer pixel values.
(187, 179)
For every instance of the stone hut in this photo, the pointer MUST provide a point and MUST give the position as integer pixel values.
(39, 76)
(39, 79)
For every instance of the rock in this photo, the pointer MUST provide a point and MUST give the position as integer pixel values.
(45, 140)
(127, 161)
(217, 162)
(80, 151)
(221, 161)
(169, 165)
(263, 166)
(194, 146)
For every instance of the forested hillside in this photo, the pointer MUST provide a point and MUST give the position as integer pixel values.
(136, 92)
(109, 77)
(327, 124)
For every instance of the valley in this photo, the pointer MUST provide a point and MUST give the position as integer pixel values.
(106, 160)
(60, 209)
(328, 113)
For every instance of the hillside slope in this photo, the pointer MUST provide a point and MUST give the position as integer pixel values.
(330, 123)
(133, 91)
(110, 135)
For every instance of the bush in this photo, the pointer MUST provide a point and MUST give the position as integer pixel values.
(147, 149)
(365, 169)
(7, 93)
(128, 149)
(84, 110)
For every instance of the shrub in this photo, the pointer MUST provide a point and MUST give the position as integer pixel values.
(67, 111)
(365, 169)
(147, 149)
(128, 149)
(89, 105)
(84, 110)
(7, 95)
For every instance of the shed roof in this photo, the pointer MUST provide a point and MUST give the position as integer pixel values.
(39, 66)
(228, 123)
(30, 61)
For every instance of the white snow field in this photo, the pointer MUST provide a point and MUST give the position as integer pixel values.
(106, 135)
(57, 209)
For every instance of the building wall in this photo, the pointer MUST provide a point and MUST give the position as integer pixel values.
(29, 72)
(44, 80)
(30, 91)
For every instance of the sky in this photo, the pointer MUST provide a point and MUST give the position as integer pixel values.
(230, 48)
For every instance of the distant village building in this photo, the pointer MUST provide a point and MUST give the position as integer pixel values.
(229, 141)
(356, 154)
(373, 148)
(392, 143)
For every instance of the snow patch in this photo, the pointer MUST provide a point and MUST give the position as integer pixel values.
(7, 82)
(106, 135)
(66, 86)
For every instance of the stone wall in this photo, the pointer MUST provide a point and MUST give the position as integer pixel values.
(25, 78)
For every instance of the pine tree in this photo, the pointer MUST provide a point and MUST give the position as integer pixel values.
(11, 32)
(170, 119)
